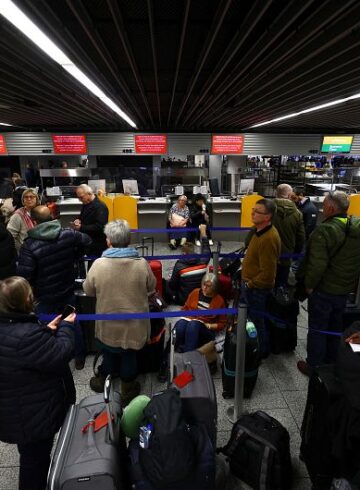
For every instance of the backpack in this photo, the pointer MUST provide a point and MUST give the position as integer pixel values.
(259, 452)
(170, 455)
(230, 265)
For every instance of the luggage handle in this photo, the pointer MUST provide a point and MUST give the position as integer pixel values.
(108, 397)
(143, 248)
(151, 239)
(172, 352)
(188, 367)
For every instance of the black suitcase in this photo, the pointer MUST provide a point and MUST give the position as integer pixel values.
(228, 365)
(150, 357)
(87, 305)
(88, 460)
(324, 389)
(283, 326)
(259, 452)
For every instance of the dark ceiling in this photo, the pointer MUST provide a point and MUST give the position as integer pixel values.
(185, 65)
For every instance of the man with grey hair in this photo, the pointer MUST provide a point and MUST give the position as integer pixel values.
(93, 217)
(289, 223)
(330, 271)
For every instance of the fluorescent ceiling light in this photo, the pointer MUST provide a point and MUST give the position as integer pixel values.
(5, 124)
(14, 15)
(311, 109)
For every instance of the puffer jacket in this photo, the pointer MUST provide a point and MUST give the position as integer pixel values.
(188, 273)
(332, 258)
(46, 259)
(32, 391)
(289, 223)
(7, 253)
(310, 214)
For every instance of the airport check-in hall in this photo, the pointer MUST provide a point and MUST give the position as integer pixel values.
(179, 245)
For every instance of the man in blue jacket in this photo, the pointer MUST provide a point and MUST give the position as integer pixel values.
(46, 260)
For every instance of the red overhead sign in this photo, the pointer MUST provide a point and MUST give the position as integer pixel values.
(69, 144)
(226, 144)
(156, 144)
(3, 150)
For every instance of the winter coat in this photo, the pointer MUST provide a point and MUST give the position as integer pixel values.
(197, 217)
(289, 223)
(188, 273)
(46, 260)
(32, 393)
(18, 229)
(121, 285)
(310, 214)
(332, 257)
(94, 216)
(216, 303)
(7, 253)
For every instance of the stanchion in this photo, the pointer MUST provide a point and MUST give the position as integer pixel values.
(215, 257)
(234, 411)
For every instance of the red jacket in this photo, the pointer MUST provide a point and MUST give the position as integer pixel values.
(216, 302)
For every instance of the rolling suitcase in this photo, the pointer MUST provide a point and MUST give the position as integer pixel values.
(324, 389)
(283, 327)
(86, 305)
(252, 361)
(198, 396)
(86, 458)
(156, 267)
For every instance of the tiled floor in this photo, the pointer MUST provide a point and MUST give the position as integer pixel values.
(280, 391)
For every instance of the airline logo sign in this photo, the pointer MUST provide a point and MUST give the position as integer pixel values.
(154, 144)
(227, 144)
(3, 150)
(69, 144)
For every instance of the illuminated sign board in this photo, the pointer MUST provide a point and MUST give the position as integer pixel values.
(3, 150)
(335, 144)
(155, 144)
(67, 144)
(227, 144)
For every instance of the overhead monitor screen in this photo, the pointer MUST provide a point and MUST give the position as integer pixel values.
(336, 144)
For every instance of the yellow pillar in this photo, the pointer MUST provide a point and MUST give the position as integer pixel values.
(354, 208)
(109, 204)
(247, 203)
(125, 207)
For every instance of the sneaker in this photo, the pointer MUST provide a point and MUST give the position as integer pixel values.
(304, 368)
(97, 383)
(197, 243)
(211, 242)
(183, 241)
(172, 244)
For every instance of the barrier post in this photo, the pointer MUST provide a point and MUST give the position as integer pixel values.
(215, 257)
(234, 411)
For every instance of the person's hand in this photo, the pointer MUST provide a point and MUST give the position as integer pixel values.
(211, 326)
(354, 338)
(54, 323)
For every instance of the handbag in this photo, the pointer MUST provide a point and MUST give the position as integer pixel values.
(230, 265)
(177, 221)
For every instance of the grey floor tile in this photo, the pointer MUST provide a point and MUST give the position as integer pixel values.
(9, 455)
(9, 478)
(285, 371)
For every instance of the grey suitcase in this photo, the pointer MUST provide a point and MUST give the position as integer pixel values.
(198, 397)
(89, 460)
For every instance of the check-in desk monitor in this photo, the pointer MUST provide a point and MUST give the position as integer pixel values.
(130, 187)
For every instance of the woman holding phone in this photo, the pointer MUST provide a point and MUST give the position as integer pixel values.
(34, 379)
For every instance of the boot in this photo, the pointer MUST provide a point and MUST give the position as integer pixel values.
(97, 383)
(209, 351)
(129, 390)
(183, 241)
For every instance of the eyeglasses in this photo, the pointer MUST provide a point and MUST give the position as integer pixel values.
(258, 212)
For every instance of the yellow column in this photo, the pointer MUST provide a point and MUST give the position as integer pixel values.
(354, 208)
(109, 204)
(125, 207)
(247, 203)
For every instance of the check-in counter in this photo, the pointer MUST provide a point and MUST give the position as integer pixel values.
(153, 213)
(226, 213)
(69, 210)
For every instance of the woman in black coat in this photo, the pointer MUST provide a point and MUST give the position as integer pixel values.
(33, 366)
(8, 253)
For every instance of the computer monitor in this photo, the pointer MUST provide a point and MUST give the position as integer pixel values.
(130, 186)
(246, 186)
(214, 187)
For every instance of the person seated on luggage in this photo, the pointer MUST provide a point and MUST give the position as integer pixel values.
(179, 216)
(121, 281)
(193, 332)
(200, 216)
(35, 379)
(188, 272)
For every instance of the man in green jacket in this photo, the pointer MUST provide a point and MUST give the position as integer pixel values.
(330, 272)
(289, 223)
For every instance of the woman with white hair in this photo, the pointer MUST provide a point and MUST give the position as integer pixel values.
(179, 216)
(121, 281)
(20, 222)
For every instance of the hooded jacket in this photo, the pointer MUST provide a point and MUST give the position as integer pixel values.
(332, 258)
(310, 214)
(7, 253)
(289, 223)
(32, 364)
(46, 260)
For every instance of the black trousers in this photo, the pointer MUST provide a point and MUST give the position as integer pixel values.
(34, 464)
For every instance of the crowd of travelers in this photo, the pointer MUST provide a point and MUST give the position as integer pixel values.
(37, 272)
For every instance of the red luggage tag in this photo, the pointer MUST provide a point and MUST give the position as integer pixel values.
(183, 379)
(100, 421)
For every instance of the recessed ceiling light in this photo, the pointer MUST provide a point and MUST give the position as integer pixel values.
(14, 15)
(5, 124)
(305, 111)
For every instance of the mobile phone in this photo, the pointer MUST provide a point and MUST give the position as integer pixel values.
(67, 311)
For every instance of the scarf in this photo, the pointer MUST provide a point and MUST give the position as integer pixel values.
(25, 217)
(120, 252)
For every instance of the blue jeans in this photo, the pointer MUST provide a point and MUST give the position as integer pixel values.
(325, 312)
(178, 236)
(256, 300)
(57, 307)
(191, 334)
(119, 362)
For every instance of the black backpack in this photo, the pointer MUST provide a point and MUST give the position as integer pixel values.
(170, 456)
(230, 265)
(259, 452)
